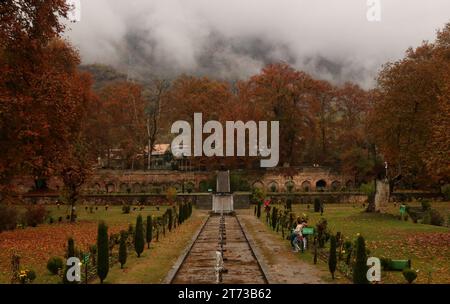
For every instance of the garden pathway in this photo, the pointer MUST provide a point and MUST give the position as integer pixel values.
(283, 266)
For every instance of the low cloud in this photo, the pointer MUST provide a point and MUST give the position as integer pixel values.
(230, 39)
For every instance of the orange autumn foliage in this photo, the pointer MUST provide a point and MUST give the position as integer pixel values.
(43, 96)
(410, 119)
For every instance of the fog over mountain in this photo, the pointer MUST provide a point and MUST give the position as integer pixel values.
(233, 39)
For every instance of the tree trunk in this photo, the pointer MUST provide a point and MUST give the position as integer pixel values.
(371, 200)
(108, 158)
(72, 211)
(152, 125)
(315, 250)
(149, 156)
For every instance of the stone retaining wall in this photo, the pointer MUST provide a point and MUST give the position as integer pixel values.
(241, 199)
(301, 179)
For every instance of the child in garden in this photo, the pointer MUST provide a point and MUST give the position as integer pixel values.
(304, 237)
(297, 235)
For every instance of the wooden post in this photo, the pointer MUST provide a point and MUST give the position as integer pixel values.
(86, 273)
(315, 250)
(15, 263)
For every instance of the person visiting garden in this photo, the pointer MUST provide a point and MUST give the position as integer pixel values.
(304, 238)
(297, 236)
(293, 236)
(267, 205)
(267, 209)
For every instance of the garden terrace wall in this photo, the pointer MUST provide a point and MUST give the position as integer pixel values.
(241, 199)
(299, 179)
(408, 196)
(201, 200)
(112, 199)
(326, 197)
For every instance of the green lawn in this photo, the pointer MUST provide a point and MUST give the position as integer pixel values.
(112, 216)
(154, 264)
(36, 245)
(427, 246)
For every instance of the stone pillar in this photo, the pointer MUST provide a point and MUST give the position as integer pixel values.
(381, 194)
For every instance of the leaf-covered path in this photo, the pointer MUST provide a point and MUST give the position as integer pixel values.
(283, 266)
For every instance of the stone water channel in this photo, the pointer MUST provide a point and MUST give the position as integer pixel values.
(239, 260)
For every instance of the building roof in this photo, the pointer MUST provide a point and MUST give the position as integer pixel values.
(160, 149)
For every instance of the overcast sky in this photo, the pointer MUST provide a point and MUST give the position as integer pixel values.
(330, 39)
